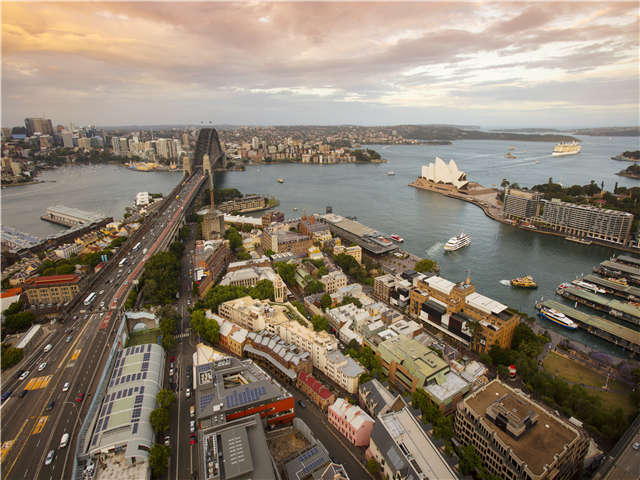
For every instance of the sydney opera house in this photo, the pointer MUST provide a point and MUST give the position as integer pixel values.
(441, 177)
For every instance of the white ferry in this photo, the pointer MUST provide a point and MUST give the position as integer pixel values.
(566, 149)
(391, 173)
(558, 318)
(397, 238)
(457, 242)
(590, 287)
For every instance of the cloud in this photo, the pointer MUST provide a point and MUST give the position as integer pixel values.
(170, 61)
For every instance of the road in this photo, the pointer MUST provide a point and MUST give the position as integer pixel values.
(28, 430)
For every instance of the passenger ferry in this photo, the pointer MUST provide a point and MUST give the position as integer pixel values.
(457, 242)
(524, 282)
(558, 318)
(396, 238)
(590, 287)
(566, 149)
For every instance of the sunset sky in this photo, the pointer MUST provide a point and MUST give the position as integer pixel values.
(518, 64)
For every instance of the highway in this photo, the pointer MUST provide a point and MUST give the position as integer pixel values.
(29, 431)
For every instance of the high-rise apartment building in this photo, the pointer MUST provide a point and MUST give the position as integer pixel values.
(38, 125)
(518, 439)
(521, 204)
(255, 143)
(71, 127)
(124, 146)
(115, 142)
(587, 221)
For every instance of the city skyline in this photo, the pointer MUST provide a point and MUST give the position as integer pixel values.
(547, 64)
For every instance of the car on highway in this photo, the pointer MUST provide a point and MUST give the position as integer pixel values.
(192, 426)
(49, 458)
(66, 386)
(24, 375)
(192, 439)
(69, 330)
(23, 393)
(18, 373)
(80, 397)
(636, 446)
(167, 440)
(172, 359)
(334, 460)
(49, 405)
(170, 380)
(302, 404)
(126, 282)
(47, 348)
(101, 304)
(69, 338)
(42, 366)
(100, 292)
(76, 317)
(171, 372)
(6, 395)
(188, 393)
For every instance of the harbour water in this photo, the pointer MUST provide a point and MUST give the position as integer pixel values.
(426, 220)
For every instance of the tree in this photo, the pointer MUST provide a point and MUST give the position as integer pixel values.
(486, 359)
(300, 307)
(10, 356)
(158, 457)
(235, 240)
(243, 255)
(15, 307)
(326, 301)
(65, 269)
(315, 287)
(18, 321)
(469, 459)
(268, 253)
(49, 272)
(169, 342)
(167, 325)
(426, 265)
(373, 466)
(166, 399)
(287, 271)
(176, 248)
(263, 290)
(320, 323)
(161, 278)
(160, 419)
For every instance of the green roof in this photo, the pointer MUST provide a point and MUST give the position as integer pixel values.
(630, 310)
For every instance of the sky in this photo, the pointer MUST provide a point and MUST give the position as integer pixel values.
(520, 64)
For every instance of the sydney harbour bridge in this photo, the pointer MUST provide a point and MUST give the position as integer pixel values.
(208, 155)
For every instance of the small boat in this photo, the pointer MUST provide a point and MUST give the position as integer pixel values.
(457, 242)
(512, 148)
(295, 209)
(590, 287)
(391, 173)
(280, 180)
(558, 318)
(537, 161)
(524, 282)
(524, 151)
(619, 281)
(397, 238)
(508, 155)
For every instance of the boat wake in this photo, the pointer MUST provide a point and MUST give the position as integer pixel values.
(435, 249)
(384, 148)
(505, 282)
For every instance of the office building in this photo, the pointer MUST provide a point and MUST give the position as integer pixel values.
(67, 140)
(124, 145)
(228, 389)
(115, 143)
(351, 421)
(383, 286)
(280, 241)
(518, 439)
(355, 252)
(521, 204)
(404, 449)
(54, 289)
(587, 221)
(38, 125)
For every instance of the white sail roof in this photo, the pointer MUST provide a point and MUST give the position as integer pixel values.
(440, 172)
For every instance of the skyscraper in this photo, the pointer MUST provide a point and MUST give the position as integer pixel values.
(255, 143)
(71, 127)
(115, 142)
(38, 125)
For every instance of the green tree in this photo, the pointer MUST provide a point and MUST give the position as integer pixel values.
(160, 419)
(287, 271)
(184, 232)
(161, 278)
(373, 466)
(158, 459)
(426, 265)
(65, 269)
(469, 459)
(176, 248)
(10, 356)
(169, 342)
(243, 255)
(353, 300)
(315, 287)
(15, 307)
(235, 240)
(211, 331)
(18, 321)
(166, 399)
(326, 301)
(320, 323)
(197, 321)
(300, 307)
(49, 272)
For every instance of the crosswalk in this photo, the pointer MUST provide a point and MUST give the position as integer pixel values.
(39, 382)
(182, 335)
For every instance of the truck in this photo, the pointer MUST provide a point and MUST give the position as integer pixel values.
(144, 251)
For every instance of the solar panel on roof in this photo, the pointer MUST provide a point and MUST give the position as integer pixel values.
(145, 367)
(99, 424)
(203, 368)
(106, 422)
(111, 383)
(95, 439)
(205, 400)
(117, 381)
(149, 348)
(313, 465)
(104, 410)
(144, 376)
(119, 394)
(110, 408)
(130, 392)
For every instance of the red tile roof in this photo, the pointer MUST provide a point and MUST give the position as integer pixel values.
(12, 292)
(315, 385)
(56, 279)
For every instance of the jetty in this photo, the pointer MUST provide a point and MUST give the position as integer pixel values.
(607, 330)
(615, 308)
(616, 269)
(614, 288)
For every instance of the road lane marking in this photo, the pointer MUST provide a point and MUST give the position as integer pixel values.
(6, 446)
(39, 382)
(76, 354)
(40, 425)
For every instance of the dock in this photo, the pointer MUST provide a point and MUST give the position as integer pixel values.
(598, 326)
(614, 288)
(615, 308)
(616, 269)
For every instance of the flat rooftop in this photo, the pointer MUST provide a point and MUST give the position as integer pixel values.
(86, 217)
(538, 446)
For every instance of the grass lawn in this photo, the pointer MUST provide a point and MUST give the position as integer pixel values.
(144, 337)
(574, 371)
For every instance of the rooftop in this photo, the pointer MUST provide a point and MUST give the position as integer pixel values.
(452, 385)
(42, 281)
(86, 217)
(538, 446)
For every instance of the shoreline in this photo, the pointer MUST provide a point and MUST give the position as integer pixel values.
(488, 209)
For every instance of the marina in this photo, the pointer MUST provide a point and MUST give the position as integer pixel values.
(613, 333)
(615, 308)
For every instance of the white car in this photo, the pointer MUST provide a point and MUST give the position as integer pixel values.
(100, 292)
(49, 458)
(24, 375)
(66, 387)
(42, 366)
(188, 393)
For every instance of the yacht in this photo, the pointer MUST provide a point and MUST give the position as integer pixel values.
(397, 238)
(566, 149)
(457, 242)
(558, 318)
(590, 287)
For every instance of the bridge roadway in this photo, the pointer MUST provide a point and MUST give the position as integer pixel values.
(29, 431)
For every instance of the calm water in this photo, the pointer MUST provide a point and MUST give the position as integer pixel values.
(426, 220)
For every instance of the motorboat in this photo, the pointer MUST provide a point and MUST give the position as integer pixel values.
(397, 238)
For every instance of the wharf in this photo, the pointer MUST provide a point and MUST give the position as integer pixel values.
(598, 326)
(615, 308)
(614, 288)
(614, 269)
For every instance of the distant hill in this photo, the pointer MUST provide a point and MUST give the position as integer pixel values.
(415, 132)
(608, 132)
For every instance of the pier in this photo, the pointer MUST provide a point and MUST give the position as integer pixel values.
(614, 288)
(615, 308)
(610, 268)
(598, 326)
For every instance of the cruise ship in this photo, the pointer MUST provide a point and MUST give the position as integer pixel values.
(457, 242)
(566, 149)
(558, 318)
